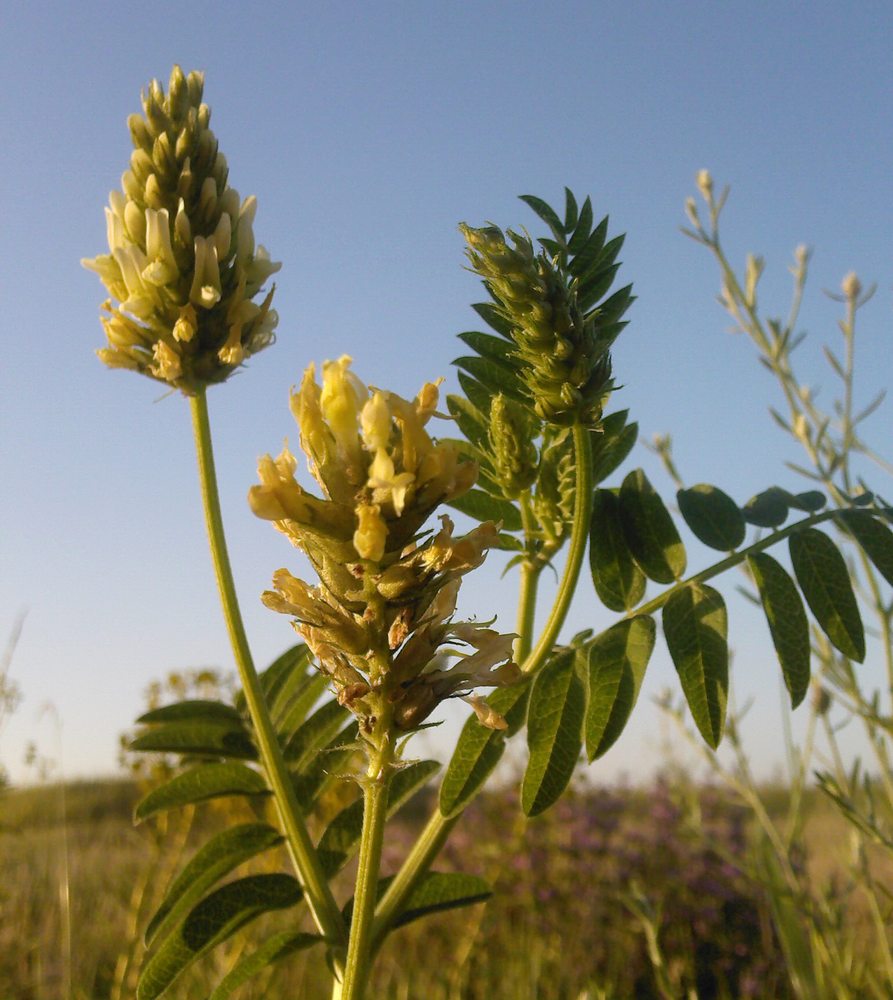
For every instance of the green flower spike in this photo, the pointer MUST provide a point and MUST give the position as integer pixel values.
(182, 262)
(564, 361)
(380, 622)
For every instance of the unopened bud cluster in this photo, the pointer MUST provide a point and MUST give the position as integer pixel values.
(380, 621)
(565, 366)
(512, 452)
(182, 261)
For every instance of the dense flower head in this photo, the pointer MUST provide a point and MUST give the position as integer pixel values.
(565, 363)
(182, 261)
(380, 621)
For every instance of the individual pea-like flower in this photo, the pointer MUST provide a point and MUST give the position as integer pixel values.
(380, 621)
(565, 363)
(182, 261)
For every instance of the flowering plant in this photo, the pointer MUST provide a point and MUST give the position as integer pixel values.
(380, 648)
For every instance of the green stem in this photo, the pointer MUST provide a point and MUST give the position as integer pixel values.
(375, 807)
(432, 839)
(576, 551)
(528, 586)
(735, 559)
(306, 861)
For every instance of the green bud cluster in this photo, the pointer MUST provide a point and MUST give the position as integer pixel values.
(565, 365)
(182, 261)
(512, 452)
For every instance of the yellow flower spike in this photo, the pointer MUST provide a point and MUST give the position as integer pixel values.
(371, 534)
(179, 235)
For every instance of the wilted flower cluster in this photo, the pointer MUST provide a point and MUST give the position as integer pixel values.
(566, 366)
(380, 622)
(182, 261)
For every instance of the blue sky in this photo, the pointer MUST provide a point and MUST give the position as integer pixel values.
(368, 132)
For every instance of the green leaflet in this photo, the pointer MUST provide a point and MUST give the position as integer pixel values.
(193, 737)
(291, 711)
(713, 516)
(612, 444)
(323, 768)
(434, 892)
(546, 213)
(475, 393)
(650, 533)
(484, 507)
(284, 670)
(822, 575)
(219, 856)
(874, 537)
(215, 712)
(478, 749)
(768, 509)
(619, 582)
(497, 349)
(787, 622)
(492, 316)
(214, 919)
(279, 946)
(617, 661)
(286, 676)
(198, 784)
(342, 835)
(695, 627)
(310, 737)
(469, 420)
(554, 732)
(495, 376)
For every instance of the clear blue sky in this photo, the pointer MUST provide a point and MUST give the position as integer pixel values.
(368, 132)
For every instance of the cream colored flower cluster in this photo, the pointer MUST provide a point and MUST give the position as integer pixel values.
(182, 261)
(380, 623)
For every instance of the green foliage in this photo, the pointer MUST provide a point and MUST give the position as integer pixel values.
(273, 950)
(650, 533)
(218, 857)
(479, 749)
(695, 627)
(713, 516)
(823, 577)
(617, 662)
(200, 783)
(212, 921)
(619, 582)
(554, 732)
(787, 622)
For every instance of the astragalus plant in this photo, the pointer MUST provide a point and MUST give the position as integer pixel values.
(528, 450)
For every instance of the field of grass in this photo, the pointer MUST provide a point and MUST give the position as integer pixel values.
(613, 893)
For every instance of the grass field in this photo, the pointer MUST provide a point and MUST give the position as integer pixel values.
(613, 893)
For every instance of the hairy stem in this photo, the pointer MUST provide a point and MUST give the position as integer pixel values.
(306, 861)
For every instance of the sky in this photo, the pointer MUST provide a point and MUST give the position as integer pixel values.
(368, 132)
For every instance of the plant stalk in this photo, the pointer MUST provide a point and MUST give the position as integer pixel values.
(319, 897)
(375, 806)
